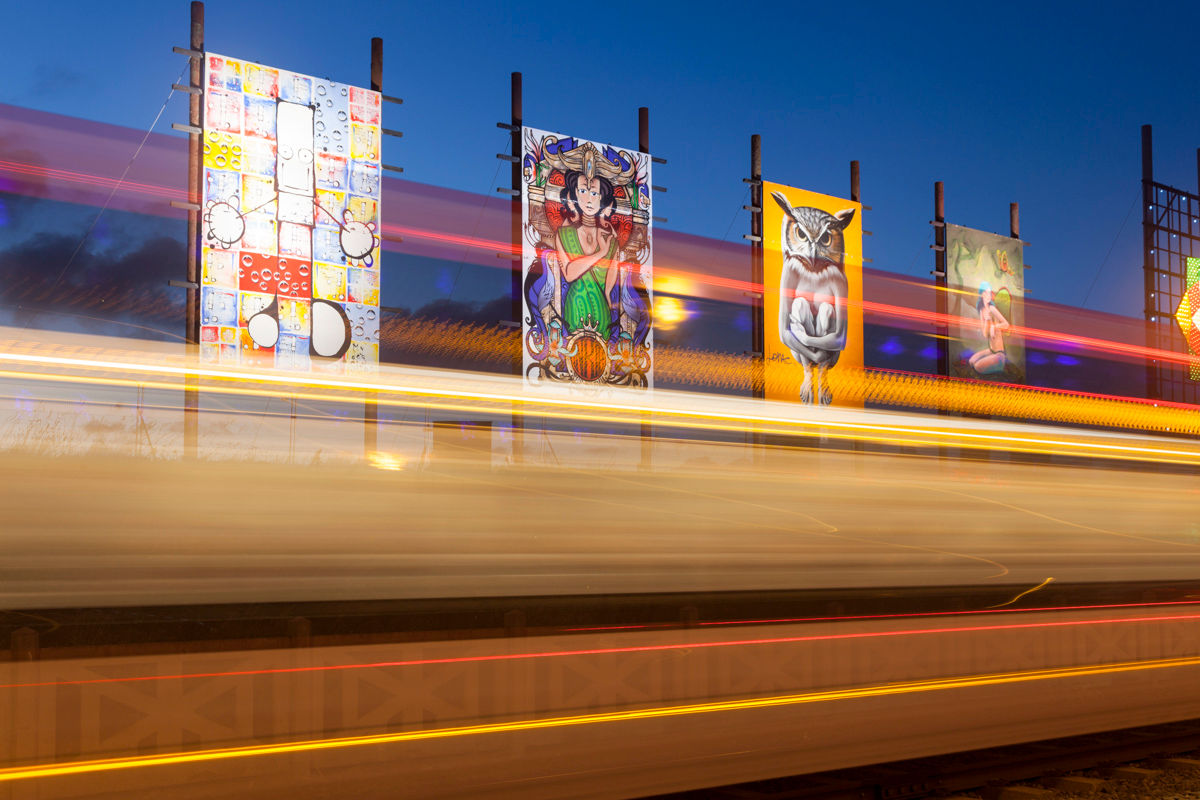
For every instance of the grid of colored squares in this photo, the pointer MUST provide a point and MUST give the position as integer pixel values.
(288, 248)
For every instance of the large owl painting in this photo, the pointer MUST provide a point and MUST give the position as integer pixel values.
(812, 296)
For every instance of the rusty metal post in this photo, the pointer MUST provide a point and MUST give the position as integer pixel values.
(855, 194)
(758, 364)
(1014, 221)
(939, 272)
(191, 392)
(518, 113)
(647, 432)
(757, 335)
(370, 398)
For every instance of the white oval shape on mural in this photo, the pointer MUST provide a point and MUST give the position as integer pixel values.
(264, 330)
(330, 334)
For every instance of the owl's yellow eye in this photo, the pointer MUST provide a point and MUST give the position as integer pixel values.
(826, 239)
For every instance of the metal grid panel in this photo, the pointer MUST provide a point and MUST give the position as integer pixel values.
(1171, 223)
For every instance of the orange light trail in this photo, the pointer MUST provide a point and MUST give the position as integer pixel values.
(315, 745)
(651, 648)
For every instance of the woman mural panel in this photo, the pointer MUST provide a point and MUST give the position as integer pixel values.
(986, 281)
(586, 262)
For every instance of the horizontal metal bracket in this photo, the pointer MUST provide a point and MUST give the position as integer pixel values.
(755, 209)
(508, 323)
(937, 274)
(938, 248)
(658, 160)
(659, 219)
(391, 237)
(183, 51)
(937, 223)
(387, 98)
(391, 168)
(179, 126)
(507, 157)
(509, 256)
(507, 127)
(868, 261)
(179, 87)
(868, 233)
(659, 188)
(754, 295)
(185, 205)
(183, 284)
(390, 132)
(509, 192)
(751, 237)
(752, 181)
(867, 208)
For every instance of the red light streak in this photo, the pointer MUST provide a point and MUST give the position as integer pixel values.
(655, 648)
(35, 170)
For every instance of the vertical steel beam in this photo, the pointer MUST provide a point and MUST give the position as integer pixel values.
(1153, 388)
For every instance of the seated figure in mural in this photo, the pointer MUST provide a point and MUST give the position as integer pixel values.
(992, 359)
(586, 248)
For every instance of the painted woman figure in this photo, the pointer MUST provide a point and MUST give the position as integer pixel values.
(586, 247)
(992, 323)
(587, 254)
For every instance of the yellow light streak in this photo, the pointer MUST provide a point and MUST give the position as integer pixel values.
(883, 690)
(1046, 582)
(460, 400)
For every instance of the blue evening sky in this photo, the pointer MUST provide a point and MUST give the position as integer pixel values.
(1038, 102)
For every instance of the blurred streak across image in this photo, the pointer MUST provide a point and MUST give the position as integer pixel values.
(316, 481)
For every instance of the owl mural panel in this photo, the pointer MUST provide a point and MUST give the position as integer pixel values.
(812, 296)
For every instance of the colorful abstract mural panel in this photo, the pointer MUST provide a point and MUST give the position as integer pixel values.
(290, 197)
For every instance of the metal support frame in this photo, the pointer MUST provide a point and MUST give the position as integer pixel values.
(1170, 235)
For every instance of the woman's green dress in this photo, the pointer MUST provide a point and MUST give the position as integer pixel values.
(585, 303)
